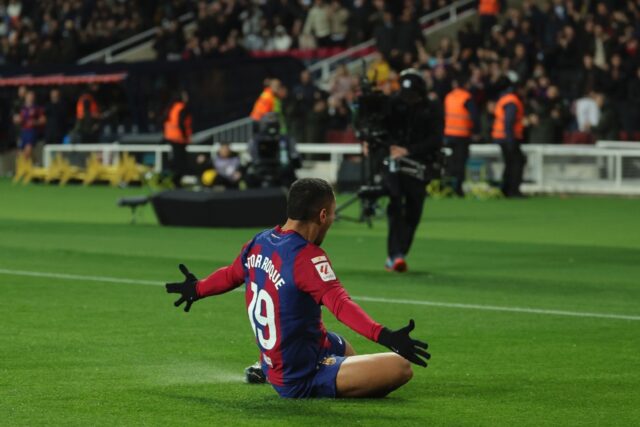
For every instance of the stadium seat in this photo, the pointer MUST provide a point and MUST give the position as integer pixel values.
(341, 136)
(579, 138)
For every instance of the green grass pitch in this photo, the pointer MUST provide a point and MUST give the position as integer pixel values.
(80, 348)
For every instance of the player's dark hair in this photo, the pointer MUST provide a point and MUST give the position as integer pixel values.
(307, 197)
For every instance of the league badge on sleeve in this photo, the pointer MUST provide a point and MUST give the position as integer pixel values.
(324, 268)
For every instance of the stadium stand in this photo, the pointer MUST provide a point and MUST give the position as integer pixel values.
(566, 55)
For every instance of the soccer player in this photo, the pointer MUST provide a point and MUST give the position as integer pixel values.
(287, 278)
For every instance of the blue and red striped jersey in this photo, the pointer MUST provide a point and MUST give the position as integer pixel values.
(287, 279)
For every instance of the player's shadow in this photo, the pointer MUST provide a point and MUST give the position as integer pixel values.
(273, 406)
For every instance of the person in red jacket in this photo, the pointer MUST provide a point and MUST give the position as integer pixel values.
(287, 277)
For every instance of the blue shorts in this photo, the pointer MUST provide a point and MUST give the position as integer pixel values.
(28, 137)
(322, 383)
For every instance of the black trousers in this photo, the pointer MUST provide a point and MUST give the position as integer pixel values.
(406, 199)
(178, 162)
(457, 164)
(514, 161)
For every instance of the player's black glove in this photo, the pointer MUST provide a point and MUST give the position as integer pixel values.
(400, 342)
(186, 288)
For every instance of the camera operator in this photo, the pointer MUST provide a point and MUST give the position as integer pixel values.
(414, 125)
(274, 158)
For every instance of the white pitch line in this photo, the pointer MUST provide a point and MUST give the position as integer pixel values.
(500, 308)
(78, 277)
(361, 298)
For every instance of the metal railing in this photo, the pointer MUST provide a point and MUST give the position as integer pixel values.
(107, 54)
(550, 168)
(237, 130)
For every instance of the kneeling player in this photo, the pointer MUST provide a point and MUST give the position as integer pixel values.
(288, 277)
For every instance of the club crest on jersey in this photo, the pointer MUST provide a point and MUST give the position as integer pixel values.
(324, 268)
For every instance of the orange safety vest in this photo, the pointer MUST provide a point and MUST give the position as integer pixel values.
(264, 104)
(172, 130)
(93, 106)
(489, 7)
(457, 120)
(498, 131)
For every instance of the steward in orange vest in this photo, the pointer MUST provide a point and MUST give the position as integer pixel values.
(177, 132)
(266, 103)
(87, 127)
(177, 126)
(489, 11)
(460, 123)
(508, 132)
(508, 125)
(87, 105)
(489, 7)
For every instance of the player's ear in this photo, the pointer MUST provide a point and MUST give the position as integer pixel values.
(324, 214)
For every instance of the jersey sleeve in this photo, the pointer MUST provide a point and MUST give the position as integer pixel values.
(314, 275)
(223, 279)
(313, 272)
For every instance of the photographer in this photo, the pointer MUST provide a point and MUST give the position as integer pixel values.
(274, 157)
(413, 125)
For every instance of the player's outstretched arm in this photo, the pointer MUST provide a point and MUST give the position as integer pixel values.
(220, 281)
(401, 343)
(186, 289)
(338, 301)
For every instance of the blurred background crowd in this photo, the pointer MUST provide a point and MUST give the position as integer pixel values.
(575, 62)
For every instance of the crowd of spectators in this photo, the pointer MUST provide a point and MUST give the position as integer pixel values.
(61, 31)
(234, 27)
(576, 64)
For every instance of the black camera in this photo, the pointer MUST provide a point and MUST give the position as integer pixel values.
(273, 156)
(381, 122)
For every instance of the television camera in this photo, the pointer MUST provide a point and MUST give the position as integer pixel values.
(378, 124)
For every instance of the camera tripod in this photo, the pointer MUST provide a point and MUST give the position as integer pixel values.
(368, 194)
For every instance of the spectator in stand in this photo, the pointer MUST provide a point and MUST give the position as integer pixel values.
(359, 24)
(318, 24)
(281, 40)
(316, 128)
(599, 46)
(633, 99)
(342, 83)
(548, 118)
(170, 41)
(608, 126)
(408, 32)
(520, 62)
(616, 88)
(338, 19)
(566, 58)
(590, 77)
(30, 120)
(305, 95)
(587, 112)
(56, 114)
(384, 33)
(338, 115)
(379, 70)
(53, 31)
